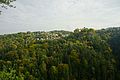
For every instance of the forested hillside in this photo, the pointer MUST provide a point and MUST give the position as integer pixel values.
(85, 54)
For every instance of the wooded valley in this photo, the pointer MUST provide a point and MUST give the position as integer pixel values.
(85, 54)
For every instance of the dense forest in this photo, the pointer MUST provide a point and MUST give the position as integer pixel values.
(85, 54)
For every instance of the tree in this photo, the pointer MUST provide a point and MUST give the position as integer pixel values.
(63, 71)
(6, 3)
(11, 75)
(53, 73)
(82, 55)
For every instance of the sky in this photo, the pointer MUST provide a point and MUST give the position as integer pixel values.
(47, 15)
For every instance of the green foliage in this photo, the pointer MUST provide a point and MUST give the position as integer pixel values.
(11, 75)
(6, 3)
(85, 54)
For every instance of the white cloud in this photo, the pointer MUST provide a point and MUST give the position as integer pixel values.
(59, 14)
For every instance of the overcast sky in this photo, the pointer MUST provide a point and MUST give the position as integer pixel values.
(37, 15)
